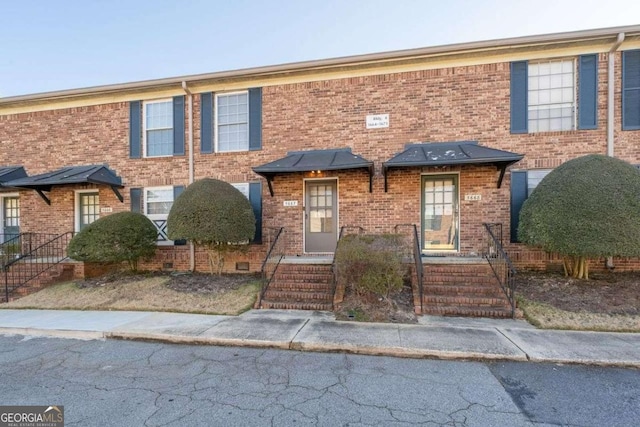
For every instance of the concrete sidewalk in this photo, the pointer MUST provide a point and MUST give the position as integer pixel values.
(434, 337)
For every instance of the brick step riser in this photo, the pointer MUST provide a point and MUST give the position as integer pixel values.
(458, 273)
(449, 269)
(461, 283)
(281, 296)
(452, 296)
(296, 306)
(303, 278)
(455, 290)
(454, 311)
(479, 306)
(301, 287)
(303, 269)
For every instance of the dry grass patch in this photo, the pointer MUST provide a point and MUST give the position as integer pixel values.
(145, 294)
(609, 301)
(545, 316)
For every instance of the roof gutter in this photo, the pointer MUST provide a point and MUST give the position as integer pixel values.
(611, 92)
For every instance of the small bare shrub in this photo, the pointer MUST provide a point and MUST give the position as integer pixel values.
(371, 263)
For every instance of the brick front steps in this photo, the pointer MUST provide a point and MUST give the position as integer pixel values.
(465, 287)
(300, 287)
(58, 273)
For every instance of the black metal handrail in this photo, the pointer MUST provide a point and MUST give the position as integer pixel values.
(273, 258)
(10, 248)
(500, 263)
(417, 258)
(40, 252)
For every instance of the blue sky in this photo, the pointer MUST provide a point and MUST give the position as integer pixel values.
(63, 44)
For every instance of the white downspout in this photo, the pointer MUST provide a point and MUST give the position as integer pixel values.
(192, 250)
(611, 108)
(610, 94)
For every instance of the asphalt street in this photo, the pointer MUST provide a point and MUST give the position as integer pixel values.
(128, 383)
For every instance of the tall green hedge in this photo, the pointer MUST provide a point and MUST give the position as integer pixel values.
(120, 237)
(587, 207)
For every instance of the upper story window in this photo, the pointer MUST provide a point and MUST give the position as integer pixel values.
(158, 128)
(232, 122)
(554, 95)
(551, 96)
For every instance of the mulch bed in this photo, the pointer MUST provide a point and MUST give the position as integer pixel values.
(371, 308)
(606, 293)
(178, 281)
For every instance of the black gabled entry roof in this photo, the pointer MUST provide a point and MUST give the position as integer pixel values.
(9, 173)
(305, 161)
(450, 153)
(87, 174)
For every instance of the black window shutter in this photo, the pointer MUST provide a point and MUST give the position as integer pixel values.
(206, 122)
(135, 129)
(518, 196)
(588, 92)
(136, 200)
(255, 197)
(255, 119)
(519, 98)
(631, 90)
(178, 125)
(177, 190)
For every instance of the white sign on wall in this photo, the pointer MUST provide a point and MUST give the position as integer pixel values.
(375, 121)
(106, 210)
(473, 197)
(290, 203)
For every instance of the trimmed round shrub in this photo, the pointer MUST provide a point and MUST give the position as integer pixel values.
(124, 236)
(587, 207)
(214, 214)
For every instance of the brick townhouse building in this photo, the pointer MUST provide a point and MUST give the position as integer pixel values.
(447, 138)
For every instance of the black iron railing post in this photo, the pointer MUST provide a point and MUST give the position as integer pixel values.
(279, 254)
(6, 284)
(500, 262)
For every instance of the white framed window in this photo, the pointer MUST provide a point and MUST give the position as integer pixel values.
(158, 128)
(87, 208)
(157, 202)
(9, 216)
(552, 95)
(243, 188)
(232, 121)
(534, 176)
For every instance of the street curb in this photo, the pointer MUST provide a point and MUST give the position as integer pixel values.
(54, 333)
(409, 353)
(181, 339)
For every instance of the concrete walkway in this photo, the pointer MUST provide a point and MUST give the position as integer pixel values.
(433, 337)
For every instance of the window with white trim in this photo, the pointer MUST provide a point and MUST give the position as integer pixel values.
(232, 121)
(534, 176)
(243, 188)
(158, 128)
(552, 96)
(157, 204)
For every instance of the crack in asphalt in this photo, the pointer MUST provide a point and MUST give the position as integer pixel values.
(154, 384)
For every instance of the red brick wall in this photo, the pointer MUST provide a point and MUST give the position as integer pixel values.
(449, 104)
